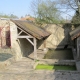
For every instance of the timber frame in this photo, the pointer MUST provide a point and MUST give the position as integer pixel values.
(28, 37)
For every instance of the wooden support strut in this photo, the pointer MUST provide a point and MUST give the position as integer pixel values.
(20, 32)
(34, 42)
(24, 32)
(24, 37)
(30, 41)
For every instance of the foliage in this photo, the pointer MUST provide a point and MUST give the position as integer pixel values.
(49, 11)
(37, 61)
(46, 12)
(69, 4)
(76, 19)
(7, 16)
(73, 5)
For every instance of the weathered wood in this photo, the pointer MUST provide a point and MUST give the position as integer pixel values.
(24, 36)
(20, 33)
(30, 41)
(44, 44)
(24, 31)
(34, 42)
(78, 47)
(35, 48)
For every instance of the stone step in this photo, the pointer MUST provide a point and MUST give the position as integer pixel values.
(22, 65)
(57, 62)
(26, 59)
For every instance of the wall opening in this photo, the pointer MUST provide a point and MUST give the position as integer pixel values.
(5, 39)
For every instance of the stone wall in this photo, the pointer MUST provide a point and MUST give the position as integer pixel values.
(14, 44)
(26, 47)
(59, 35)
(3, 28)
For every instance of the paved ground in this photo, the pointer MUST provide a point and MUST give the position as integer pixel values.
(40, 75)
(23, 70)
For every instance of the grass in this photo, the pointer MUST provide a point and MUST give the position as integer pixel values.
(37, 61)
(55, 67)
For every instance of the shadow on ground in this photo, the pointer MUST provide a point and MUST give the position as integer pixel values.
(5, 56)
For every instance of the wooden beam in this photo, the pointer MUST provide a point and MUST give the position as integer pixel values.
(24, 36)
(24, 31)
(78, 47)
(20, 33)
(35, 49)
(30, 41)
(34, 43)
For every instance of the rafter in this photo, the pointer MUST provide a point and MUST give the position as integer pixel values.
(20, 32)
(24, 36)
(28, 36)
(30, 41)
(24, 31)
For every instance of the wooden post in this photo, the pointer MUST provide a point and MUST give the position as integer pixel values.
(78, 48)
(78, 3)
(34, 42)
(35, 49)
(44, 44)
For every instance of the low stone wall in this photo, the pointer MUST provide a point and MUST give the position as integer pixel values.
(57, 62)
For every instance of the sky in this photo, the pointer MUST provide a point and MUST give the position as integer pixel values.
(21, 8)
(67, 14)
(16, 7)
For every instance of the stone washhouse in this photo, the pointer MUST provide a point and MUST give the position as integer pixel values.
(20, 36)
(23, 37)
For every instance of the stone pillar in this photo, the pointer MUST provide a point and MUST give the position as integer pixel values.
(14, 43)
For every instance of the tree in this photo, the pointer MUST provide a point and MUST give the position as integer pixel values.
(68, 4)
(46, 11)
(73, 5)
(76, 17)
(7, 16)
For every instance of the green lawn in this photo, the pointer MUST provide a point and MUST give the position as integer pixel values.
(55, 67)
